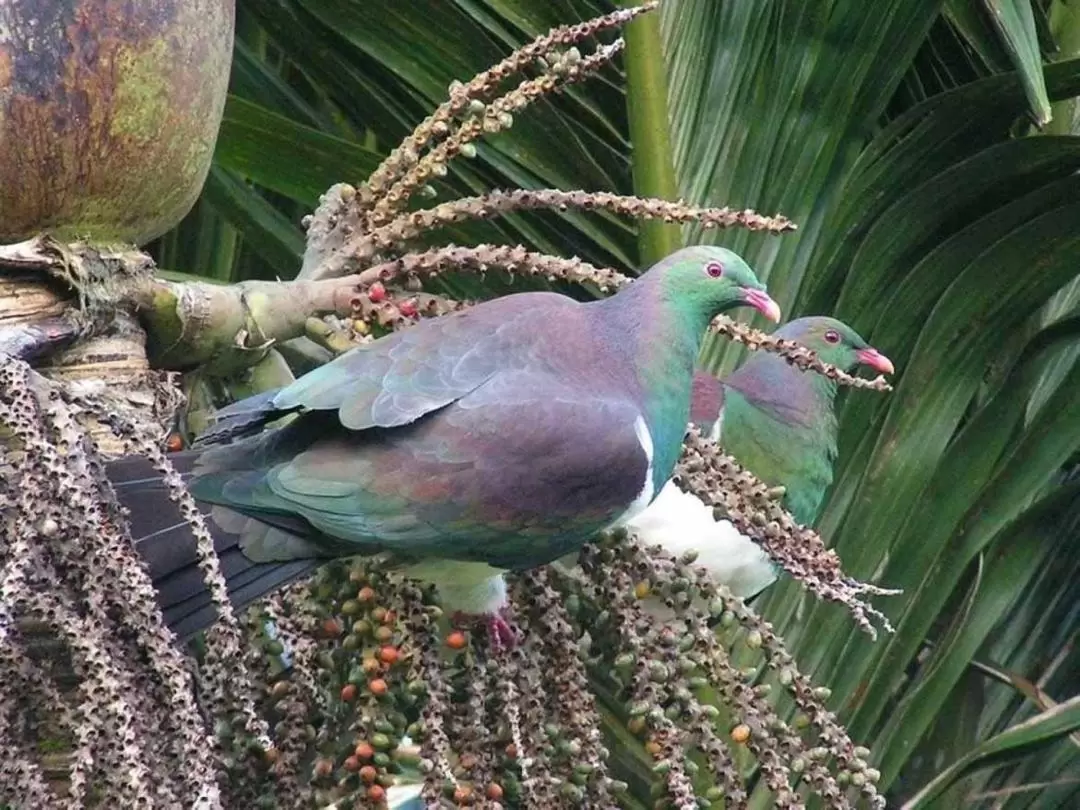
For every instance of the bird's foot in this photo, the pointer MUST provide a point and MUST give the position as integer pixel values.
(501, 633)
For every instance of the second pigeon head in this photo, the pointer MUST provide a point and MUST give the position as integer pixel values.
(835, 343)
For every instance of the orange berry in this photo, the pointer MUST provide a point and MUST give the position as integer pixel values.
(740, 733)
(364, 750)
(365, 594)
(456, 640)
(462, 794)
(348, 692)
(378, 687)
(376, 793)
(352, 764)
(370, 665)
(369, 774)
(389, 654)
(495, 792)
(175, 443)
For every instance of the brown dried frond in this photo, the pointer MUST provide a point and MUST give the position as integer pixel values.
(796, 354)
(661, 666)
(579, 746)
(296, 699)
(719, 480)
(485, 119)
(759, 635)
(399, 311)
(427, 670)
(513, 259)
(481, 87)
(68, 562)
(382, 312)
(652, 651)
(223, 665)
(487, 206)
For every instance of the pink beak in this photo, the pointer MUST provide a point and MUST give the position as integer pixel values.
(759, 300)
(876, 360)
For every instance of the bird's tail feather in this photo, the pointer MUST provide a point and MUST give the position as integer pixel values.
(245, 417)
(166, 544)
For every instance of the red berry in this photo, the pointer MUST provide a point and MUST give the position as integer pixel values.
(456, 640)
(348, 692)
(463, 794)
(376, 292)
(378, 687)
(376, 793)
(408, 308)
(389, 655)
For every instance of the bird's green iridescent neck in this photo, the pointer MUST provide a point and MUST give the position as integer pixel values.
(666, 378)
(669, 330)
(661, 320)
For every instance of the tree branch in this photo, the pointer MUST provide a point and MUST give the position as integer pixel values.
(228, 328)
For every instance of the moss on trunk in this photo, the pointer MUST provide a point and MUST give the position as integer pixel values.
(109, 112)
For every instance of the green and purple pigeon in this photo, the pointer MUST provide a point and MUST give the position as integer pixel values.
(779, 423)
(497, 438)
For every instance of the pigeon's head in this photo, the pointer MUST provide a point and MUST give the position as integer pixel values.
(835, 342)
(709, 280)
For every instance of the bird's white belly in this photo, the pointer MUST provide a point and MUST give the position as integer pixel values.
(645, 496)
(680, 522)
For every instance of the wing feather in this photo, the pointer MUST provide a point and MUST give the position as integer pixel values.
(514, 474)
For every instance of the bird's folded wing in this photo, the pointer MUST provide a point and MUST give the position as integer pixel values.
(397, 379)
(515, 473)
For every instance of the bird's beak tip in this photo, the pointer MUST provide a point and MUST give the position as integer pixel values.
(760, 300)
(876, 360)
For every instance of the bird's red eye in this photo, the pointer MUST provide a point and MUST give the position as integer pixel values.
(832, 336)
(714, 269)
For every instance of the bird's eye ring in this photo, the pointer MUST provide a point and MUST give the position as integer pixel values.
(714, 269)
(832, 336)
